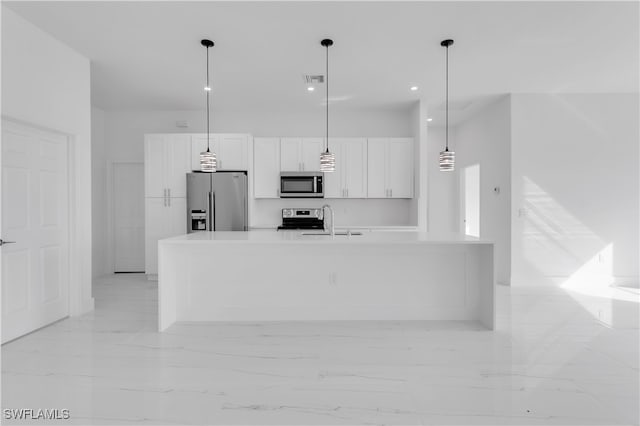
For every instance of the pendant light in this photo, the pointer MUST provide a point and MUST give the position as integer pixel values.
(208, 162)
(327, 159)
(447, 158)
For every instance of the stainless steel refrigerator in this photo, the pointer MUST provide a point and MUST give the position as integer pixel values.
(217, 201)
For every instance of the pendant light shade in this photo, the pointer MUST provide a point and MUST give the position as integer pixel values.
(327, 158)
(208, 161)
(327, 161)
(447, 158)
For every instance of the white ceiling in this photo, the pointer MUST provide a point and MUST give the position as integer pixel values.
(147, 54)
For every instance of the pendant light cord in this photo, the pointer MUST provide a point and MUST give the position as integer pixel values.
(327, 76)
(208, 91)
(447, 103)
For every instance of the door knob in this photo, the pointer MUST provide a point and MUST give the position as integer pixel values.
(2, 242)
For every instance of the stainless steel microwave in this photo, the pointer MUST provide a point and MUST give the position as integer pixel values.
(301, 185)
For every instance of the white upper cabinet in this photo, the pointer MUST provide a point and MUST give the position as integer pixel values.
(290, 154)
(231, 150)
(390, 168)
(234, 151)
(400, 170)
(350, 177)
(300, 154)
(266, 167)
(198, 145)
(355, 178)
(167, 160)
(311, 150)
(376, 168)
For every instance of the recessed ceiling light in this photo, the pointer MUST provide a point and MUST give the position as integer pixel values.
(207, 88)
(413, 88)
(429, 119)
(311, 88)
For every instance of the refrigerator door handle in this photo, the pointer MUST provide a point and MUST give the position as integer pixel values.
(246, 212)
(211, 210)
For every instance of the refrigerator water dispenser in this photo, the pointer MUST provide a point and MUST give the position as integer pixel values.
(198, 220)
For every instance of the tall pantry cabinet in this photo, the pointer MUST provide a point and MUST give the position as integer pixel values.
(167, 160)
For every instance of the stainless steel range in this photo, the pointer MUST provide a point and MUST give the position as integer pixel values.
(302, 218)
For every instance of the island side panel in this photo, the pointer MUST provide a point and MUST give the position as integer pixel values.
(169, 270)
(487, 285)
(289, 281)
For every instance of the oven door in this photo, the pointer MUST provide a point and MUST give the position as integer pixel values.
(300, 186)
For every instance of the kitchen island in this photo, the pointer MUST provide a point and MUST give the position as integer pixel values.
(288, 276)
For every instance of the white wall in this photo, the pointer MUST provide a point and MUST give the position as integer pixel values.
(418, 205)
(442, 213)
(485, 139)
(47, 84)
(99, 205)
(575, 187)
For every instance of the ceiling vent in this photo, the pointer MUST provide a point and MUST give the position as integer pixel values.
(313, 79)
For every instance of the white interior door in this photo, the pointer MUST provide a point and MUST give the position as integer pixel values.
(35, 214)
(128, 217)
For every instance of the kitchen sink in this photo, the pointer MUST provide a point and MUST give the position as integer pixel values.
(343, 233)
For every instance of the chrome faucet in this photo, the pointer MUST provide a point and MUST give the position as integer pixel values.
(333, 229)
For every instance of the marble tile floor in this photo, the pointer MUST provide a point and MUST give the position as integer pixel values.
(557, 358)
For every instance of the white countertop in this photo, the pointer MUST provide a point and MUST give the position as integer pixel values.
(367, 237)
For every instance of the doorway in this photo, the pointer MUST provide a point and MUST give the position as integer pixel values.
(35, 217)
(470, 200)
(128, 217)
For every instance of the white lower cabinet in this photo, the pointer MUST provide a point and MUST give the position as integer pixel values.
(390, 168)
(266, 167)
(164, 217)
(350, 177)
